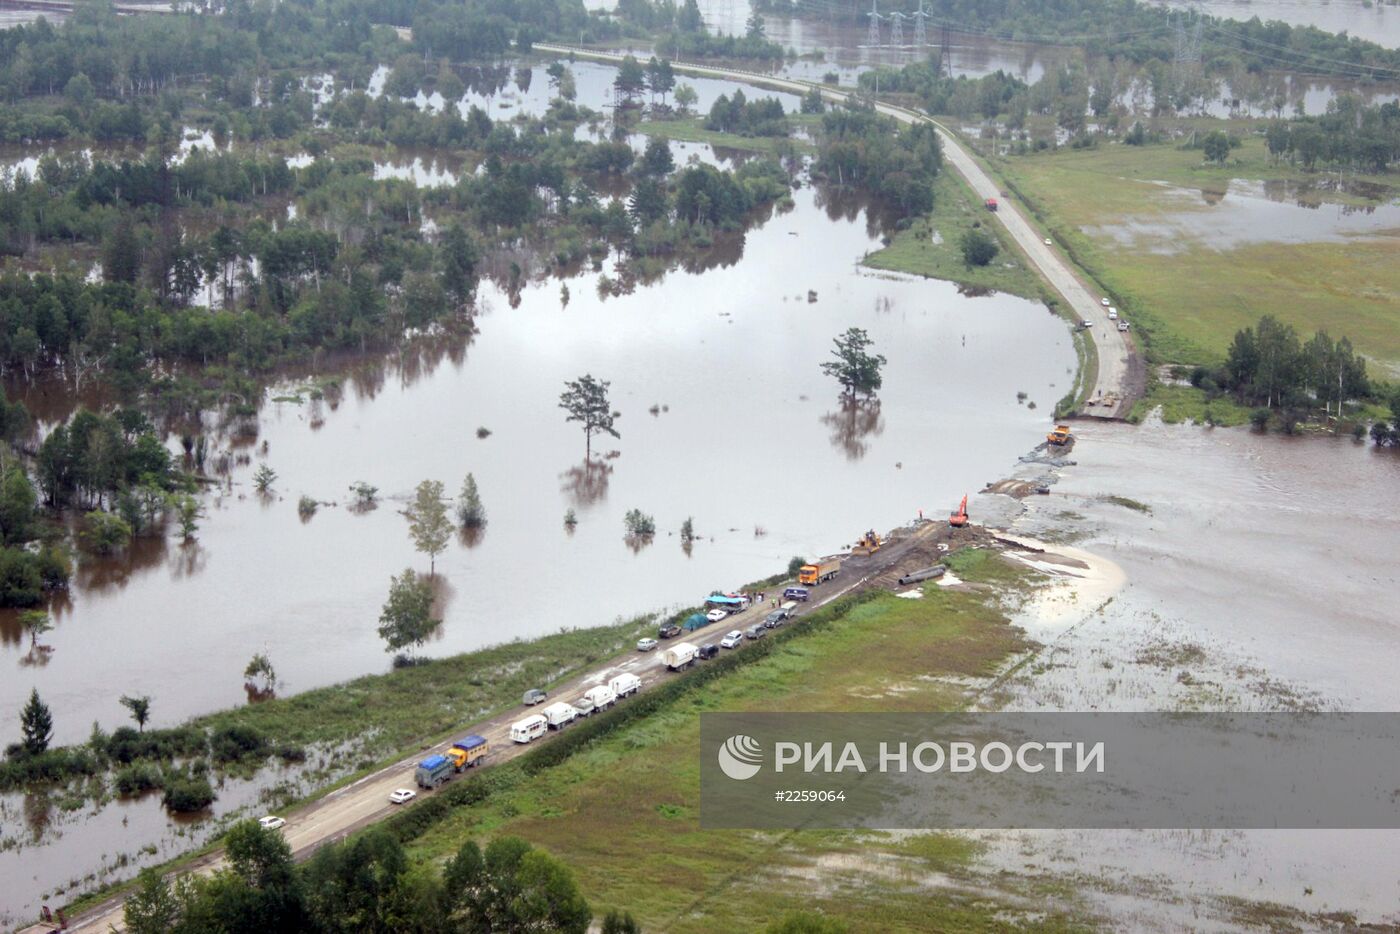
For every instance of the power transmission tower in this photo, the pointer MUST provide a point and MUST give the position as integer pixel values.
(872, 38)
(920, 36)
(945, 53)
(897, 29)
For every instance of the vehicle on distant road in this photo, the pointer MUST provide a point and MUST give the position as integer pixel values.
(646, 645)
(775, 619)
(559, 715)
(600, 698)
(466, 753)
(272, 823)
(709, 650)
(433, 771)
(402, 796)
(819, 572)
(669, 631)
(715, 616)
(756, 631)
(800, 594)
(1047, 241)
(533, 697)
(1086, 324)
(1122, 325)
(681, 655)
(1113, 314)
(1104, 302)
(731, 640)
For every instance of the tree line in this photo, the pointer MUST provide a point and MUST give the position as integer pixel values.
(1350, 134)
(859, 147)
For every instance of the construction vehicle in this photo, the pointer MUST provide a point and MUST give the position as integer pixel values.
(867, 544)
(1059, 436)
(819, 572)
(959, 519)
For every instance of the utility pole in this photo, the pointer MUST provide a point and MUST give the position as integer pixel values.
(920, 37)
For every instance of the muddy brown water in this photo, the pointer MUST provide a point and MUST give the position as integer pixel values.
(1260, 580)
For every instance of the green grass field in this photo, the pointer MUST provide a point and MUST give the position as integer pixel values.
(917, 251)
(1191, 298)
(623, 814)
(692, 130)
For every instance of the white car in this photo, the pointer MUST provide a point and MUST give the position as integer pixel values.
(1047, 241)
(732, 639)
(1104, 302)
(646, 645)
(402, 796)
(272, 823)
(1122, 325)
(715, 616)
(1112, 314)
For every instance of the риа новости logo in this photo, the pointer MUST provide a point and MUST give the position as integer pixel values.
(740, 757)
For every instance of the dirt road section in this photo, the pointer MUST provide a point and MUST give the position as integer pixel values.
(365, 801)
(1118, 383)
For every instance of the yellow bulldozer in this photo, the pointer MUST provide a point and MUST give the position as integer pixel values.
(867, 544)
(1059, 436)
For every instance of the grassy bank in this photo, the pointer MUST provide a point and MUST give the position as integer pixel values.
(930, 247)
(622, 810)
(692, 130)
(1188, 295)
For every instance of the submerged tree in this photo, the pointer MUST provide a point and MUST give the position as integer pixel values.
(36, 623)
(586, 401)
(140, 707)
(407, 618)
(260, 666)
(36, 724)
(854, 368)
(470, 512)
(428, 524)
(263, 478)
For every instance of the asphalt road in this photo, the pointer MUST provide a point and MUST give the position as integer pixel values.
(366, 801)
(1114, 390)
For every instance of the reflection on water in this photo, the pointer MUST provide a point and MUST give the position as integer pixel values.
(855, 421)
(586, 483)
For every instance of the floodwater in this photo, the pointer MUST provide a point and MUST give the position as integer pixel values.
(1374, 22)
(1255, 212)
(1258, 581)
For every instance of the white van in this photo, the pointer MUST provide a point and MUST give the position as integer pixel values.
(532, 727)
(601, 698)
(625, 685)
(560, 715)
(790, 606)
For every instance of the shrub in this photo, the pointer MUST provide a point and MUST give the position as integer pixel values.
(22, 769)
(138, 779)
(237, 741)
(639, 523)
(187, 794)
(1259, 418)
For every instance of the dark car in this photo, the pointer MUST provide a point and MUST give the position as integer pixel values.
(709, 650)
(669, 631)
(797, 593)
(775, 619)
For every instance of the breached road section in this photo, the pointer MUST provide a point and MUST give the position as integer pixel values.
(1116, 388)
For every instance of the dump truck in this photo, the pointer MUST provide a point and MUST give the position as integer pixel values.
(1059, 436)
(819, 572)
(867, 544)
(959, 519)
(433, 771)
(680, 655)
(466, 753)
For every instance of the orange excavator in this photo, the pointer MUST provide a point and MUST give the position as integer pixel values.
(959, 519)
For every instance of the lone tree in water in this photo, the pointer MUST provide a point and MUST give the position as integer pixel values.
(427, 521)
(36, 723)
(140, 708)
(470, 512)
(407, 618)
(854, 368)
(36, 623)
(260, 666)
(586, 400)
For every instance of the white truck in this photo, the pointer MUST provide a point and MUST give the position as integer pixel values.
(532, 727)
(600, 698)
(559, 715)
(680, 655)
(625, 685)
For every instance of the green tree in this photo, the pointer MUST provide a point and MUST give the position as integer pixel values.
(1216, 146)
(18, 506)
(36, 724)
(104, 532)
(263, 478)
(260, 666)
(618, 922)
(121, 254)
(457, 255)
(407, 618)
(689, 19)
(36, 623)
(631, 78)
(513, 887)
(154, 908)
(586, 401)
(638, 523)
(686, 97)
(470, 512)
(188, 511)
(978, 247)
(755, 27)
(140, 707)
(855, 368)
(428, 524)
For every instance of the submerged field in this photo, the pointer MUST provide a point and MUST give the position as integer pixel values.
(1196, 252)
(622, 812)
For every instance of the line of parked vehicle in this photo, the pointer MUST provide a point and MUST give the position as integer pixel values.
(471, 751)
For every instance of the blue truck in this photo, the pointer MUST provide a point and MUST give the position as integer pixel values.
(433, 771)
